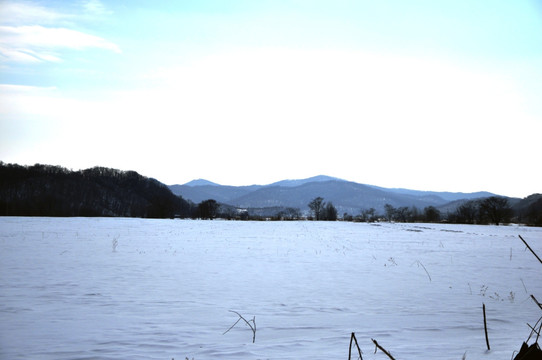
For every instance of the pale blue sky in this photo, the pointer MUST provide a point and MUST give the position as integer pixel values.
(429, 95)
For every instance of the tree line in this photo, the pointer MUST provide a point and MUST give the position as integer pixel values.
(321, 210)
(491, 210)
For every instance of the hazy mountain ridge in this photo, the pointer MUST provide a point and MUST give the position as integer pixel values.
(347, 196)
(201, 182)
(220, 193)
(298, 182)
(445, 195)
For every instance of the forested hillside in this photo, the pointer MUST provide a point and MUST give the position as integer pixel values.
(44, 190)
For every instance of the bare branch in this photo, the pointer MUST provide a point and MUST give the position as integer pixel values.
(231, 327)
(534, 331)
(353, 337)
(528, 247)
(536, 301)
(485, 325)
(383, 350)
(427, 272)
(252, 326)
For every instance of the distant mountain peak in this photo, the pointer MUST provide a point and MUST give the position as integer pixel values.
(201, 182)
(298, 182)
(323, 178)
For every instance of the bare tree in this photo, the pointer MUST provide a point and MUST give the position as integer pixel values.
(390, 212)
(208, 209)
(431, 214)
(496, 209)
(330, 212)
(368, 215)
(403, 214)
(466, 213)
(317, 207)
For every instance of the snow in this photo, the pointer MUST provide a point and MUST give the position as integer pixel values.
(166, 289)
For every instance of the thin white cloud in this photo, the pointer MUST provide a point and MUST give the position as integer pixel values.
(22, 55)
(24, 12)
(8, 54)
(42, 37)
(37, 43)
(31, 33)
(23, 89)
(96, 7)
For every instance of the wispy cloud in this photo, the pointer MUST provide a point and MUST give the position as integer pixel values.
(96, 7)
(31, 33)
(22, 55)
(31, 44)
(18, 89)
(24, 12)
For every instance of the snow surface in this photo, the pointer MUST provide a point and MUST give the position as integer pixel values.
(165, 290)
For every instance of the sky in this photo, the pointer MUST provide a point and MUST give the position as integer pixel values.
(425, 95)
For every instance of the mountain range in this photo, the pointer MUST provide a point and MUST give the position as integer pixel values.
(347, 196)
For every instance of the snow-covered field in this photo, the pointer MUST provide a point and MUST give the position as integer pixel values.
(97, 288)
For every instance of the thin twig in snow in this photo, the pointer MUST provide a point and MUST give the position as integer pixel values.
(528, 247)
(427, 272)
(534, 331)
(485, 325)
(252, 326)
(526, 292)
(536, 301)
(353, 337)
(383, 350)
